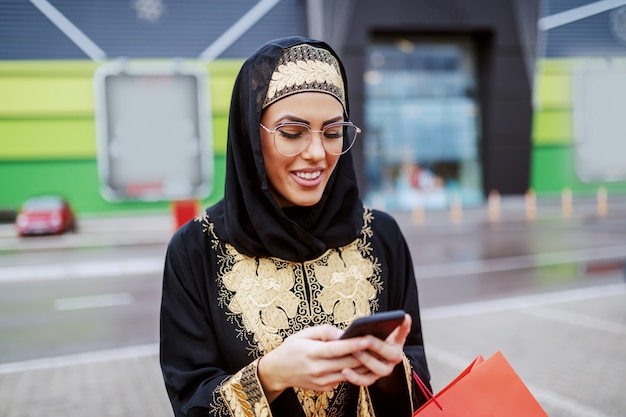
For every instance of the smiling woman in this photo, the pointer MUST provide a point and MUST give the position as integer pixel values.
(299, 179)
(258, 290)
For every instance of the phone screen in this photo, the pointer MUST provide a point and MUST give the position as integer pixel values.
(378, 324)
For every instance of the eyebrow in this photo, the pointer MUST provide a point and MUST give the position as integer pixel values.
(293, 118)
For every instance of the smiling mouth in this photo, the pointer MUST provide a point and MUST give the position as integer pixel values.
(308, 175)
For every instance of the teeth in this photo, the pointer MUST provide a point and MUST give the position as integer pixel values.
(309, 175)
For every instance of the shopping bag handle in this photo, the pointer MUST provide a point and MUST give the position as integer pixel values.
(424, 388)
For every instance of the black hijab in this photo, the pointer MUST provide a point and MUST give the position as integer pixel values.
(248, 217)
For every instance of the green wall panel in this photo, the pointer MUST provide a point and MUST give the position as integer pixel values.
(552, 127)
(556, 65)
(554, 91)
(553, 161)
(47, 133)
(553, 169)
(64, 68)
(47, 138)
(222, 74)
(45, 96)
(220, 133)
(78, 181)
(217, 192)
(221, 90)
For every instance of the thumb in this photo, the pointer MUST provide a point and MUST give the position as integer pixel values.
(401, 332)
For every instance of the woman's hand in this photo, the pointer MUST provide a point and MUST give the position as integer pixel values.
(316, 359)
(378, 358)
(312, 359)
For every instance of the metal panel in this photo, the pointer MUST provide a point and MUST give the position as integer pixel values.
(599, 123)
(124, 29)
(153, 131)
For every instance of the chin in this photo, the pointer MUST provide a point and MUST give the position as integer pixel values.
(306, 202)
(297, 198)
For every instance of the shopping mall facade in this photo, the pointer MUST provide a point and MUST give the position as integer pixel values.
(456, 99)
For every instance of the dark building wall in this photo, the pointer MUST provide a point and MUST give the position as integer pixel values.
(505, 41)
(599, 35)
(180, 29)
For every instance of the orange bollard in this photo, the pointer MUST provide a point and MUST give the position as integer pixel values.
(602, 201)
(184, 211)
(530, 199)
(566, 202)
(456, 209)
(418, 215)
(493, 206)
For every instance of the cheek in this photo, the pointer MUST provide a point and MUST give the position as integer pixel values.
(331, 162)
(268, 153)
(275, 163)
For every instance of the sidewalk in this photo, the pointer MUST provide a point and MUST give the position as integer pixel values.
(568, 346)
(569, 353)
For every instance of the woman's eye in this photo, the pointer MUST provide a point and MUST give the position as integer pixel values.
(333, 133)
(291, 133)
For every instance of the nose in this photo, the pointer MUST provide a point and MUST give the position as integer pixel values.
(315, 146)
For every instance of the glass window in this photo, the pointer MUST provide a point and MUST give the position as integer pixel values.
(422, 121)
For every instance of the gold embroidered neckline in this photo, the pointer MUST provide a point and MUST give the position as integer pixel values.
(271, 299)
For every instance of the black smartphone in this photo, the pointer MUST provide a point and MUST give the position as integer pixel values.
(378, 324)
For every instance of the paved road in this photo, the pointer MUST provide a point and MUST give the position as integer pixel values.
(549, 293)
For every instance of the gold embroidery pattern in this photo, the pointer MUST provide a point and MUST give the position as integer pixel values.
(262, 297)
(270, 299)
(323, 404)
(305, 68)
(365, 407)
(208, 227)
(301, 73)
(314, 403)
(408, 373)
(242, 394)
(346, 292)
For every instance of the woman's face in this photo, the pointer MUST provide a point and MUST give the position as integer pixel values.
(300, 180)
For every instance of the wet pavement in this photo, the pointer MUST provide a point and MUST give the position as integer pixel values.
(548, 292)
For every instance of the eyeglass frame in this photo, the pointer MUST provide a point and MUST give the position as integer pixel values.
(308, 141)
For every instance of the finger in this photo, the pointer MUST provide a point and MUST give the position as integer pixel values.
(345, 347)
(323, 333)
(361, 379)
(401, 332)
(361, 370)
(327, 382)
(384, 351)
(375, 363)
(330, 365)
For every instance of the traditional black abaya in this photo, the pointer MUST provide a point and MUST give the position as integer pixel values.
(247, 274)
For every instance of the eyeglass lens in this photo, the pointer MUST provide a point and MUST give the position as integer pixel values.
(292, 138)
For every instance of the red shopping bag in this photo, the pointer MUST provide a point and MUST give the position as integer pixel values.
(486, 388)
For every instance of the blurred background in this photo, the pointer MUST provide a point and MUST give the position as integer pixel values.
(493, 130)
(455, 100)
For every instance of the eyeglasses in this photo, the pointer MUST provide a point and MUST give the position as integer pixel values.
(291, 138)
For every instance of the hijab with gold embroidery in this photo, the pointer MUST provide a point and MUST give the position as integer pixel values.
(248, 217)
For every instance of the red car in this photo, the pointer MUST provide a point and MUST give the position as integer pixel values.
(44, 215)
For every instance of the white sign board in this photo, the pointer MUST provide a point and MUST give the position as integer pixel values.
(153, 129)
(599, 112)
